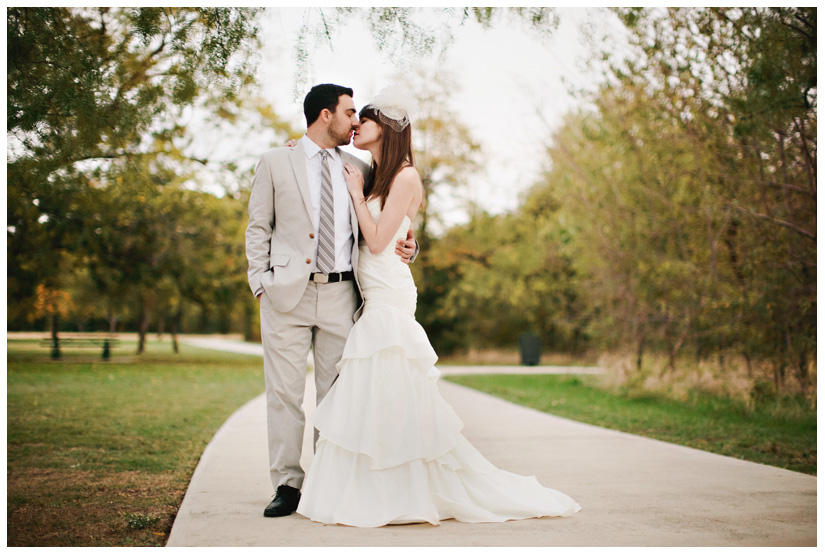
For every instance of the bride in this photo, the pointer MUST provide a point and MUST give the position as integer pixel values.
(390, 449)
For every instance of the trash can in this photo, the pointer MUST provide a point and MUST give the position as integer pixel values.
(530, 349)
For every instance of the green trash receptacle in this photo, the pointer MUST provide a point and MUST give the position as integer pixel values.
(530, 349)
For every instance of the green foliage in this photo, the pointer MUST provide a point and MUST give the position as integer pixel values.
(446, 157)
(88, 83)
(498, 277)
(709, 202)
(678, 215)
(446, 154)
(162, 245)
(100, 174)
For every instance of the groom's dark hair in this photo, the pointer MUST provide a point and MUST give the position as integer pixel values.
(320, 97)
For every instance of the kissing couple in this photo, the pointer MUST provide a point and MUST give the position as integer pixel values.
(329, 242)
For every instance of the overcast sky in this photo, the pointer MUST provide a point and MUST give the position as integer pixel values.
(513, 86)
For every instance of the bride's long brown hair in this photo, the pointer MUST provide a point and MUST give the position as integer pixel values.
(396, 152)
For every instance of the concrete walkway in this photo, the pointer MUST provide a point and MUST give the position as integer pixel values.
(634, 491)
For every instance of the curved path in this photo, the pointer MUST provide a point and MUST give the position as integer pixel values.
(634, 491)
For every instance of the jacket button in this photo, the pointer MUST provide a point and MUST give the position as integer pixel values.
(309, 261)
(312, 236)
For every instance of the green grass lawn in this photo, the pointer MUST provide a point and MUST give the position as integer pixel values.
(100, 453)
(781, 432)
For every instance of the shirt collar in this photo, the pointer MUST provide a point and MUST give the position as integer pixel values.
(311, 149)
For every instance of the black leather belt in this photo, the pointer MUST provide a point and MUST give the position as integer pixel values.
(331, 278)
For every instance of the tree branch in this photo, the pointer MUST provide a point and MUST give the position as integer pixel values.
(783, 223)
(115, 156)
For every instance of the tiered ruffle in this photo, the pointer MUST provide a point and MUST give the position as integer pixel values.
(391, 450)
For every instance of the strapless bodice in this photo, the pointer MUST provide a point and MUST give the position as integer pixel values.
(374, 206)
(383, 277)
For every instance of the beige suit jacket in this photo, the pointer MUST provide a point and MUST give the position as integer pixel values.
(279, 245)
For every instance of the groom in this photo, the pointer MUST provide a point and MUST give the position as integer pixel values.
(302, 247)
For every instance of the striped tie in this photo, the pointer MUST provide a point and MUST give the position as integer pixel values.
(326, 228)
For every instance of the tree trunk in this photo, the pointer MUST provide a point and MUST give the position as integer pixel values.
(731, 241)
(780, 140)
(639, 352)
(112, 319)
(175, 324)
(810, 162)
(144, 315)
(671, 362)
(55, 338)
(423, 232)
(802, 372)
(779, 376)
(712, 247)
(247, 321)
(747, 356)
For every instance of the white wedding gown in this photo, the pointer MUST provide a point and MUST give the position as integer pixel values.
(390, 449)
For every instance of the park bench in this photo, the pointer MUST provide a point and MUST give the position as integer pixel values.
(105, 341)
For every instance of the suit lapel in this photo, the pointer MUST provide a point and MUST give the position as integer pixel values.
(353, 218)
(299, 167)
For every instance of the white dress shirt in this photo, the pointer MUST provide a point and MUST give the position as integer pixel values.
(343, 225)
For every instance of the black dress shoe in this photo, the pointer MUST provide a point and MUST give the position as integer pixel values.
(285, 502)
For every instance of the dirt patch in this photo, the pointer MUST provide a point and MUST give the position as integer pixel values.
(55, 507)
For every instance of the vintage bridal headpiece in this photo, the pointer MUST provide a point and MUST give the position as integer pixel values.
(394, 105)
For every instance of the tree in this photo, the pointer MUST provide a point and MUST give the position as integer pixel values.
(101, 94)
(446, 157)
(89, 83)
(689, 192)
(753, 73)
(501, 276)
(88, 87)
(52, 304)
(163, 246)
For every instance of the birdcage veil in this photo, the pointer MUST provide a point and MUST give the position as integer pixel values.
(394, 105)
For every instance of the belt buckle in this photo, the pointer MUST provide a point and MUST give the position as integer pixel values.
(320, 278)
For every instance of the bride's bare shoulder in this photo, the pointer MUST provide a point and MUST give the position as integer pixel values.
(408, 179)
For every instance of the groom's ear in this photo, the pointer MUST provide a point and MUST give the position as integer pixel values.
(325, 115)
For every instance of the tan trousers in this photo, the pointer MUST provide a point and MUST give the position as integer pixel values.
(323, 319)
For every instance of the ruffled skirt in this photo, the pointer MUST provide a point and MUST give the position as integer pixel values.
(390, 449)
